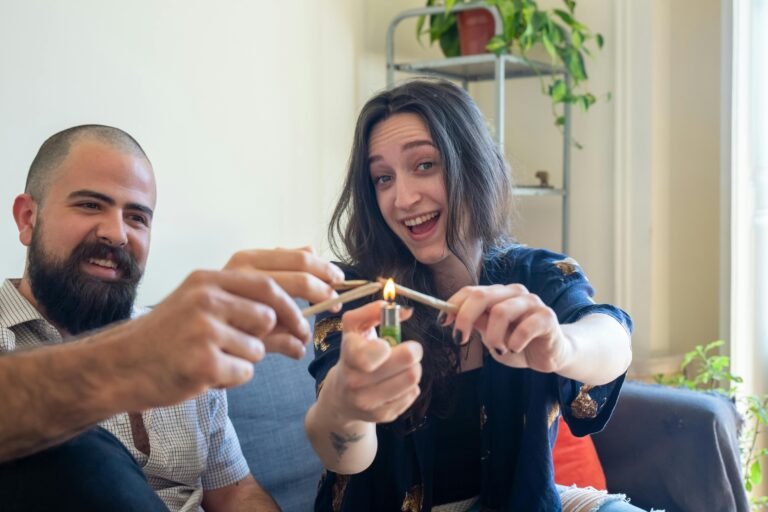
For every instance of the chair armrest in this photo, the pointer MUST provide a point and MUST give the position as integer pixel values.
(674, 449)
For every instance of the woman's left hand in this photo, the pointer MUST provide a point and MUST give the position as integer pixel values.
(515, 324)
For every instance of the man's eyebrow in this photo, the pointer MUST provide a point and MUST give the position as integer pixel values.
(407, 145)
(91, 194)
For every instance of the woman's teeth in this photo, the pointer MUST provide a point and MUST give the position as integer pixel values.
(421, 219)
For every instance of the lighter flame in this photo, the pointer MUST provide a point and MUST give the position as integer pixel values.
(389, 290)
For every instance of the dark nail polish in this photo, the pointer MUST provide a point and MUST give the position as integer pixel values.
(458, 336)
(441, 318)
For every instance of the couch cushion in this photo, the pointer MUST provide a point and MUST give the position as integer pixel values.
(575, 460)
(268, 415)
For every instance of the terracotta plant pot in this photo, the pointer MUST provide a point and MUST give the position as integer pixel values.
(475, 31)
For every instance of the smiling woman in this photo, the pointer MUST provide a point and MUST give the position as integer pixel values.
(463, 414)
(408, 177)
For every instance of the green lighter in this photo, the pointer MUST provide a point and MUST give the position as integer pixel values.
(389, 329)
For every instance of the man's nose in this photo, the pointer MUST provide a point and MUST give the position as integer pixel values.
(112, 230)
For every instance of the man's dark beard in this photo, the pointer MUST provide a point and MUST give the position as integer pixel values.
(75, 301)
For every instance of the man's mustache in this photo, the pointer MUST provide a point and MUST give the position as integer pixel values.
(124, 261)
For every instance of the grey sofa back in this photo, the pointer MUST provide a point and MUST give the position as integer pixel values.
(674, 449)
(268, 415)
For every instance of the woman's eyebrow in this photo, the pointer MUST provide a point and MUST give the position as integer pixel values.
(417, 143)
(407, 145)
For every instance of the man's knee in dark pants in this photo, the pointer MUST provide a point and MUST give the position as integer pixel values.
(91, 472)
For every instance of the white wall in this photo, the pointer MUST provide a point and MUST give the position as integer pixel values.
(668, 166)
(378, 16)
(694, 180)
(246, 109)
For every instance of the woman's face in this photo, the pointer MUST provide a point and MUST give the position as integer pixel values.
(407, 173)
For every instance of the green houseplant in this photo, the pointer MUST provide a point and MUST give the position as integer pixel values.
(526, 27)
(705, 369)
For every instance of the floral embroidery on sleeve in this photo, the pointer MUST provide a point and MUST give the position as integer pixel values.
(583, 406)
(414, 499)
(323, 328)
(567, 266)
(554, 413)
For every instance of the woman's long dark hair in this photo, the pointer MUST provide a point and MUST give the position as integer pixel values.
(479, 209)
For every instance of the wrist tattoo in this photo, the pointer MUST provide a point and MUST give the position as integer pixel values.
(340, 442)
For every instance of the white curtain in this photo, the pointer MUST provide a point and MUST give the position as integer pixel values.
(748, 170)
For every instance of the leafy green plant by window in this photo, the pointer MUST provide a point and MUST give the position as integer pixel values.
(705, 369)
(566, 40)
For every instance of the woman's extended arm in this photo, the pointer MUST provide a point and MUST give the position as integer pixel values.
(371, 383)
(523, 332)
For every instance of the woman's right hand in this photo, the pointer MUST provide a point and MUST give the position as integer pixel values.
(373, 381)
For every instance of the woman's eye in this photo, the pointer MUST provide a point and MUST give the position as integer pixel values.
(381, 180)
(424, 166)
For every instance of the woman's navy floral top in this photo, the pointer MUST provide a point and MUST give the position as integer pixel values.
(519, 408)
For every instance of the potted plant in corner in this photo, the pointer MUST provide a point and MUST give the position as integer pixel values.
(705, 369)
(525, 27)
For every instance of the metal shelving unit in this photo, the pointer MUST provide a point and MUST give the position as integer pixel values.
(489, 67)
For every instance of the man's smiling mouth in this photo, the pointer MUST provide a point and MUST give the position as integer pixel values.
(103, 263)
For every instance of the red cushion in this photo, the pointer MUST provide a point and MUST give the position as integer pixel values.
(576, 461)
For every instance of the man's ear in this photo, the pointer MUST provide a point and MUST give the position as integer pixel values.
(25, 214)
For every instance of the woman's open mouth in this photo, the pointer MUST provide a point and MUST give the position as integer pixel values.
(422, 226)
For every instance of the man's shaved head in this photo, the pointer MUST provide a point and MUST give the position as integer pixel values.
(54, 150)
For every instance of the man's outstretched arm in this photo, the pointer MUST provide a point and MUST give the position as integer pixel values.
(206, 334)
(53, 393)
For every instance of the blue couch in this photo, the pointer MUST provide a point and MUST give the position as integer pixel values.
(665, 448)
(268, 414)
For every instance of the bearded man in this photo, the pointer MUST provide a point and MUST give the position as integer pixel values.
(164, 439)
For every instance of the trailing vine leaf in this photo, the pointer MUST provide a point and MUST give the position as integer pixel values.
(420, 23)
(567, 18)
(442, 28)
(496, 43)
(549, 46)
(576, 40)
(755, 474)
(558, 90)
(713, 345)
